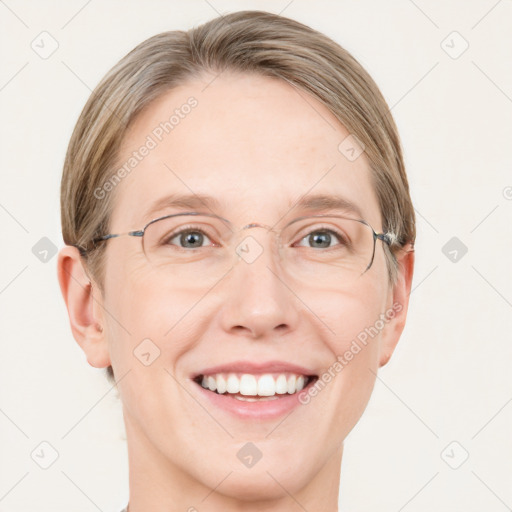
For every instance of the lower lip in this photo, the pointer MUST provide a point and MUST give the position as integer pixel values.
(261, 409)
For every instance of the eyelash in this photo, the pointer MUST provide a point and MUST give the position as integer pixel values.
(342, 240)
(194, 229)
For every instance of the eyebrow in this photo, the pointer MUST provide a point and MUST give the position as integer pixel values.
(307, 204)
(185, 201)
(326, 202)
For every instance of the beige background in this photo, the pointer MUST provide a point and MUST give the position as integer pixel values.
(449, 379)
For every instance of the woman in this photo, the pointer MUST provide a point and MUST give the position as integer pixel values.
(239, 255)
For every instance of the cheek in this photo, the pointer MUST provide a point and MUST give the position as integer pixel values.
(147, 337)
(346, 383)
(351, 318)
(148, 315)
(139, 300)
(355, 345)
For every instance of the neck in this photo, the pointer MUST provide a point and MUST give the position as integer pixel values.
(158, 484)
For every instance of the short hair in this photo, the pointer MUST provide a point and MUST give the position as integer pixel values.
(248, 42)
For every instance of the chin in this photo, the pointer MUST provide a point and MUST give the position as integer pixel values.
(251, 486)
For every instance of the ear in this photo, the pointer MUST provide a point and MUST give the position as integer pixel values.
(84, 303)
(399, 304)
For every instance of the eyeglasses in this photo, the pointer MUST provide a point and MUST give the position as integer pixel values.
(197, 249)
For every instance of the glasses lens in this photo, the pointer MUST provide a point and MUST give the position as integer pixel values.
(189, 249)
(328, 251)
(320, 251)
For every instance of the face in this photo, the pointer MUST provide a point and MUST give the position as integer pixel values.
(257, 145)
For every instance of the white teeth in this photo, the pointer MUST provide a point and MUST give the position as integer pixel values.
(212, 383)
(291, 384)
(266, 385)
(221, 384)
(250, 399)
(281, 385)
(233, 384)
(248, 385)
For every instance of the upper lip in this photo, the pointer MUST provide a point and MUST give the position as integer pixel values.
(256, 368)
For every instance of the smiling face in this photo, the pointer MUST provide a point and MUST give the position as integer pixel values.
(256, 145)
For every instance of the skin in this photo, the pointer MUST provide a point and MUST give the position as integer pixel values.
(254, 143)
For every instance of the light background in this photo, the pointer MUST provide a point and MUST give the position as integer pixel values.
(449, 379)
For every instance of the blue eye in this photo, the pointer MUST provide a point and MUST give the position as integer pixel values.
(324, 237)
(188, 239)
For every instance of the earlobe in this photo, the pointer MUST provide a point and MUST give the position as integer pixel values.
(400, 303)
(80, 295)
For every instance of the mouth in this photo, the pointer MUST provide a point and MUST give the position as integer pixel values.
(247, 387)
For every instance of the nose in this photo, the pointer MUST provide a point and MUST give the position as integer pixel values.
(259, 302)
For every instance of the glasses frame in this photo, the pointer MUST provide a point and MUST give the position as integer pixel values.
(388, 238)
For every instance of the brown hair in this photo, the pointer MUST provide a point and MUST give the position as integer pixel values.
(244, 41)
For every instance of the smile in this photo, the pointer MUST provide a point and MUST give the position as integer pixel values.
(253, 396)
(247, 386)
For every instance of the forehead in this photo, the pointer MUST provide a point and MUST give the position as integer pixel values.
(256, 145)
